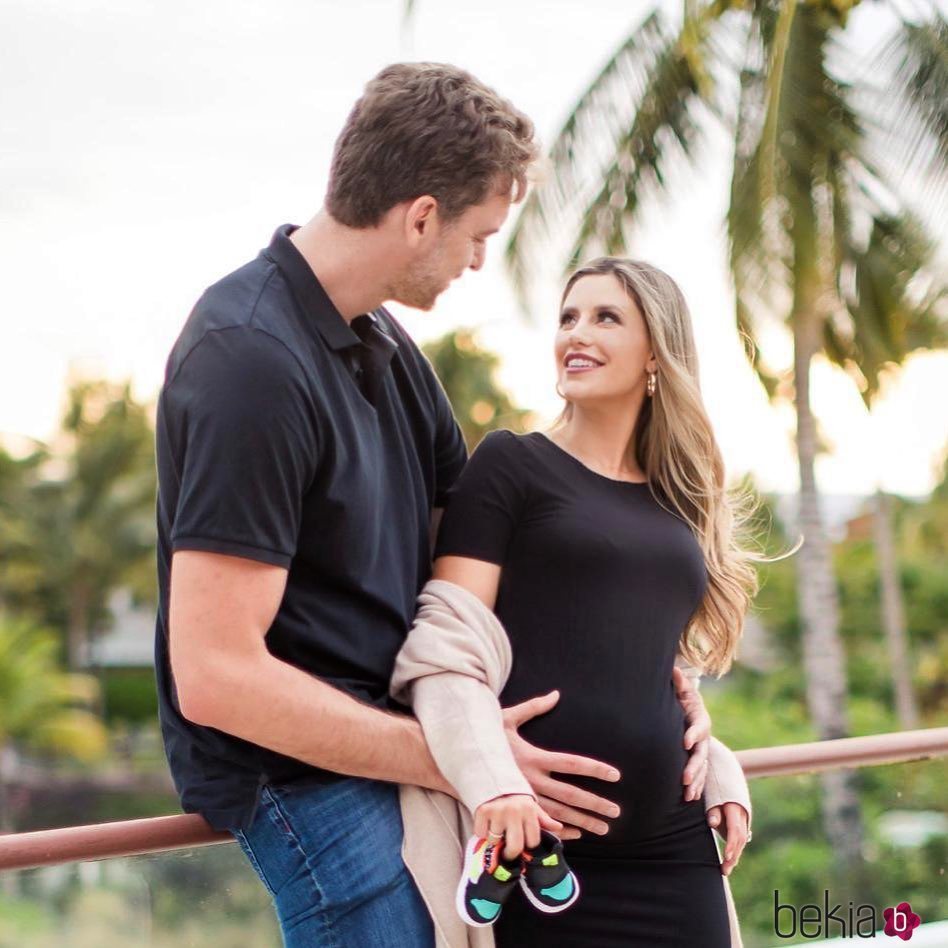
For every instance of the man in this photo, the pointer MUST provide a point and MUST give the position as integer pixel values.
(303, 442)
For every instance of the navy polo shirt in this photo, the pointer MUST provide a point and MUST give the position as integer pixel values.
(285, 436)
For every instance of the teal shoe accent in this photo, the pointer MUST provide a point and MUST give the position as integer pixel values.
(562, 890)
(486, 909)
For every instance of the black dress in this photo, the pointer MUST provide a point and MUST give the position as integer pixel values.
(598, 583)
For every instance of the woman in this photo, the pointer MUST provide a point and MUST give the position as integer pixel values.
(606, 548)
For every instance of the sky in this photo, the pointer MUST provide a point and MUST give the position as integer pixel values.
(147, 149)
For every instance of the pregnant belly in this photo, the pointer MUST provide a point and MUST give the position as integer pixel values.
(642, 740)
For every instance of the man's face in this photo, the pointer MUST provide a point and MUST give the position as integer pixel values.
(454, 248)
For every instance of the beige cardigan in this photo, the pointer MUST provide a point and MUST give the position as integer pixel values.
(453, 665)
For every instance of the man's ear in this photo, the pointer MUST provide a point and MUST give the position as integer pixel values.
(420, 218)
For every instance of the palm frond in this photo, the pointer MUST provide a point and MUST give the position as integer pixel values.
(798, 147)
(894, 304)
(616, 145)
(775, 87)
(757, 263)
(913, 104)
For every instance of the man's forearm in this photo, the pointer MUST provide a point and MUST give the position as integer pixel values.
(269, 702)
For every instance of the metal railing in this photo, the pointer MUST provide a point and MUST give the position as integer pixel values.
(185, 831)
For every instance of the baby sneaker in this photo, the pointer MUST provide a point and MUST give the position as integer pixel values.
(487, 881)
(547, 881)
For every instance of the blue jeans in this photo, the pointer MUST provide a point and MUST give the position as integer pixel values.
(330, 857)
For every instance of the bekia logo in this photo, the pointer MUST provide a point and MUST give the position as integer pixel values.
(858, 921)
(901, 921)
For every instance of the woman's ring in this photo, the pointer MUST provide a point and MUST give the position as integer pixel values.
(494, 835)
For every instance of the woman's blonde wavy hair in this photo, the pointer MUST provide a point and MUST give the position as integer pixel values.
(673, 442)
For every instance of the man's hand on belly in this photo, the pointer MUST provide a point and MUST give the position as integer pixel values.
(697, 738)
(573, 807)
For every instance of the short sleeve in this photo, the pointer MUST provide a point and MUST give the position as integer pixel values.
(450, 448)
(485, 505)
(239, 412)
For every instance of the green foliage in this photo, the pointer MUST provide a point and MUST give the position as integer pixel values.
(467, 374)
(129, 695)
(923, 569)
(776, 861)
(750, 709)
(754, 709)
(77, 517)
(43, 707)
(20, 569)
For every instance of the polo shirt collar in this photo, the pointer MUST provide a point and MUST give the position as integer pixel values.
(309, 292)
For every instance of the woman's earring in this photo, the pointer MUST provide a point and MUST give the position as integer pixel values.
(650, 383)
(558, 392)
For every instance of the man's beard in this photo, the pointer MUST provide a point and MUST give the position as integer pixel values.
(420, 286)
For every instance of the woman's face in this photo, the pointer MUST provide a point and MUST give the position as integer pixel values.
(602, 345)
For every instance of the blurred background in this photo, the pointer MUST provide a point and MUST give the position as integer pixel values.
(785, 161)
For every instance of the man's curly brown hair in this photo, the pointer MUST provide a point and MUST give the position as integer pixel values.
(427, 128)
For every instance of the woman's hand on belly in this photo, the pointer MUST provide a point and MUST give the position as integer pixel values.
(571, 805)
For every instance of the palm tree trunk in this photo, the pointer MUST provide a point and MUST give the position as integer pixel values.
(893, 613)
(823, 657)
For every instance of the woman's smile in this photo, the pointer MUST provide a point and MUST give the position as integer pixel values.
(577, 362)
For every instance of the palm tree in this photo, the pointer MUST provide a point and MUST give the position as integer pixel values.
(19, 573)
(43, 708)
(922, 531)
(815, 215)
(925, 527)
(892, 332)
(884, 333)
(80, 521)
